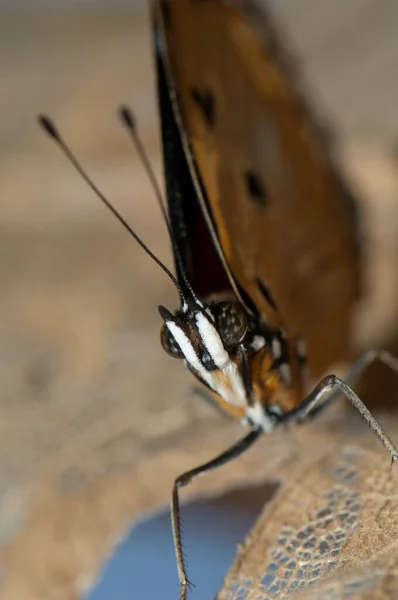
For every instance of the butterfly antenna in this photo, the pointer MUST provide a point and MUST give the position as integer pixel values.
(128, 121)
(50, 129)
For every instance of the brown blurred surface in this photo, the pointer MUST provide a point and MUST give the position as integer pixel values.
(95, 421)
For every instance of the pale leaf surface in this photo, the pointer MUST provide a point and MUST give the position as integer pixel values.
(331, 531)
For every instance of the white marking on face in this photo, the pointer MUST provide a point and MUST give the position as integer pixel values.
(286, 373)
(231, 392)
(186, 346)
(276, 348)
(212, 341)
(227, 380)
(238, 395)
(259, 417)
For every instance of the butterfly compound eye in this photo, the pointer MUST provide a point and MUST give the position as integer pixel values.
(169, 344)
(231, 323)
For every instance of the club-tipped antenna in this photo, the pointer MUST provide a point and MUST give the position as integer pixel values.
(49, 128)
(128, 121)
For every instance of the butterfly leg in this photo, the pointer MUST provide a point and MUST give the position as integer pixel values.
(366, 360)
(233, 452)
(326, 389)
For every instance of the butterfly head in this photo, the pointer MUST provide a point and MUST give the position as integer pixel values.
(216, 343)
(206, 336)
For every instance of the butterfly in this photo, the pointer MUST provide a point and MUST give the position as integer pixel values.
(263, 230)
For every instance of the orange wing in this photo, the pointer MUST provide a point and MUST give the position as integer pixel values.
(282, 216)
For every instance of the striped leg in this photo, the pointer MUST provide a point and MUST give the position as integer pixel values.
(325, 392)
(233, 452)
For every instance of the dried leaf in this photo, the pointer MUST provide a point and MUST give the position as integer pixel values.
(331, 532)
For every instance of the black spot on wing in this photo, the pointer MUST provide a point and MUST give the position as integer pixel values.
(254, 188)
(205, 101)
(266, 293)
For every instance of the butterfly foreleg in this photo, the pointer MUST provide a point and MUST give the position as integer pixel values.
(233, 452)
(369, 357)
(325, 392)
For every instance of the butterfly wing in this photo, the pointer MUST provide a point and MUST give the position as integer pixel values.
(283, 223)
(194, 235)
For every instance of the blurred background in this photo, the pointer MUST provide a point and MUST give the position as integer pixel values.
(95, 420)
